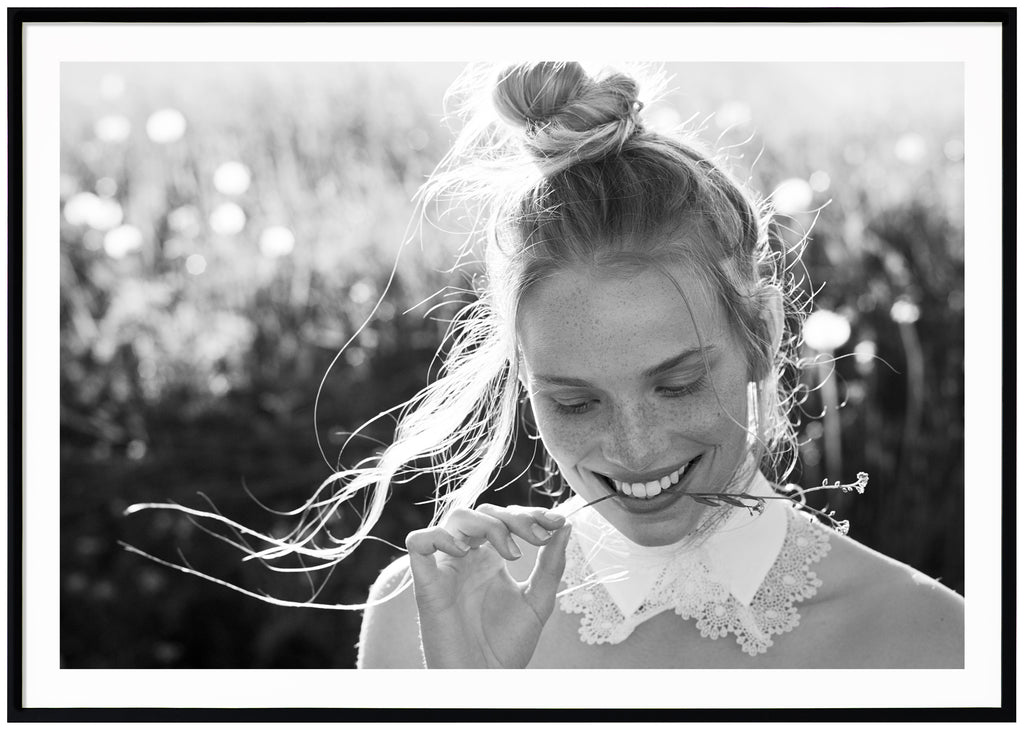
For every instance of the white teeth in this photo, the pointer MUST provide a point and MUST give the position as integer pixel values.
(653, 488)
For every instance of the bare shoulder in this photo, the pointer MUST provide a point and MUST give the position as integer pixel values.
(887, 614)
(389, 637)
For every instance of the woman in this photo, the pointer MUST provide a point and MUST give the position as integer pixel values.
(634, 299)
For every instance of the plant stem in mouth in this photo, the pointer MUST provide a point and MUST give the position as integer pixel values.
(592, 503)
(717, 499)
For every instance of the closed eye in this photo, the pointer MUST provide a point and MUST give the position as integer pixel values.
(677, 391)
(575, 407)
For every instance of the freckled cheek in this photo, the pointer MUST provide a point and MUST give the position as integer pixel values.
(702, 419)
(566, 438)
(706, 417)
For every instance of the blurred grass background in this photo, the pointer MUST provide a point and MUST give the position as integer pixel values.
(225, 228)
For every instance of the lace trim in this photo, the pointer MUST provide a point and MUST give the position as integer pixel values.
(689, 587)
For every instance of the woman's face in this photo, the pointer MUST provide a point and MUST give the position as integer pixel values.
(625, 391)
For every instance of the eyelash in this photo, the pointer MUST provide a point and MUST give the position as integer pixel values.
(579, 408)
(685, 389)
(572, 408)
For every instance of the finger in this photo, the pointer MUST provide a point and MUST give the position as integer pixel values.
(424, 568)
(479, 527)
(551, 519)
(527, 523)
(542, 584)
(422, 544)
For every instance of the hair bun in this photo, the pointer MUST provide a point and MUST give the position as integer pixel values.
(563, 110)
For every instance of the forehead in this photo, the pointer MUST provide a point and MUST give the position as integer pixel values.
(594, 324)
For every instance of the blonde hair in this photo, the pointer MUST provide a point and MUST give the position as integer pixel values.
(557, 169)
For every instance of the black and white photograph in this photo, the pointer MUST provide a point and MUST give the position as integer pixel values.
(596, 361)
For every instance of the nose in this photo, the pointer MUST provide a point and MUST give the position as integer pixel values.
(636, 439)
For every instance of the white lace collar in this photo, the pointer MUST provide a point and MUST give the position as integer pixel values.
(743, 579)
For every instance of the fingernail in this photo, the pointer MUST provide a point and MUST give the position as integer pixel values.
(461, 544)
(553, 516)
(513, 548)
(540, 533)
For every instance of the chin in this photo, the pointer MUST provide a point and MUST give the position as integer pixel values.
(654, 533)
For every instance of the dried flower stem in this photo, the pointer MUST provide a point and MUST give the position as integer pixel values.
(756, 503)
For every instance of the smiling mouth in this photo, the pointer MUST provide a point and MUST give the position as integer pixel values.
(651, 489)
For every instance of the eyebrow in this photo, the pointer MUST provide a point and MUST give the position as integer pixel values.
(650, 372)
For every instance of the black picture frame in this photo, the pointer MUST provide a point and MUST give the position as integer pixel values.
(19, 471)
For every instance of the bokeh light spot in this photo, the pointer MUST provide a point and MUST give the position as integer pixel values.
(953, 150)
(195, 264)
(91, 210)
(175, 247)
(276, 241)
(819, 181)
(904, 311)
(792, 196)
(361, 292)
(184, 220)
(106, 187)
(112, 128)
(165, 126)
(78, 207)
(826, 331)
(232, 178)
(227, 219)
(355, 356)
(219, 384)
(136, 449)
(864, 352)
(911, 148)
(147, 369)
(121, 241)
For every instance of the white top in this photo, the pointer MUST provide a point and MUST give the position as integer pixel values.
(742, 579)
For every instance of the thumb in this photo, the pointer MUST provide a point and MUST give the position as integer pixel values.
(547, 573)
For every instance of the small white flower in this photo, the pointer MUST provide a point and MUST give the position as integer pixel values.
(862, 482)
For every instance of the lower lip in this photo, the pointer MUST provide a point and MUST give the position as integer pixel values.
(662, 500)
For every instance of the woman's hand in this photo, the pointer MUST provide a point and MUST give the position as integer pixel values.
(472, 613)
